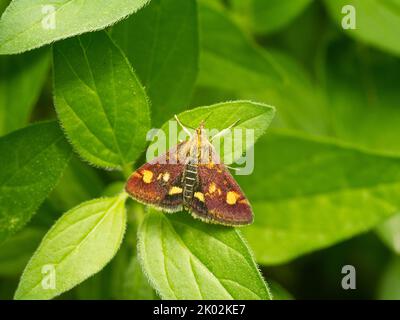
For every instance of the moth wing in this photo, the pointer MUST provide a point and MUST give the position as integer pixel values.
(223, 200)
(158, 182)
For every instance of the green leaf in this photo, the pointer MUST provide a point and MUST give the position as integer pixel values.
(79, 183)
(243, 70)
(80, 244)
(304, 37)
(310, 193)
(247, 60)
(3, 5)
(377, 21)
(361, 87)
(136, 286)
(108, 283)
(32, 161)
(278, 292)
(71, 17)
(389, 232)
(188, 259)
(251, 115)
(389, 286)
(269, 16)
(99, 100)
(21, 80)
(161, 42)
(17, 250)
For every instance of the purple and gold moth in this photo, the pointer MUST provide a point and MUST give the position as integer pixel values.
(191, 177)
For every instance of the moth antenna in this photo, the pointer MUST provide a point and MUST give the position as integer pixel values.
(225, 131)
(206, 118)
(183, 127)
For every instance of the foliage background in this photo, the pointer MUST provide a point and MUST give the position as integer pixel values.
(326, 186)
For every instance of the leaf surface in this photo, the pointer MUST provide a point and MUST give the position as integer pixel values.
(79, 245)
(269, 16)
(17, 250)
(250, 115)
(161, 42)
(42, 21)
(99, 100)
(310, 193)
(240, 69)
(188, 259)
(21, 80)
(32, 161)
(377, 21)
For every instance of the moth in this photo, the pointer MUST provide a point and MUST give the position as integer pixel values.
(190, 176)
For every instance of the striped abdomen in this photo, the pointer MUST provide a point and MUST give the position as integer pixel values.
(189, 184)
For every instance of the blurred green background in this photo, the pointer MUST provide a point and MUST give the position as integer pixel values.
(326, 83)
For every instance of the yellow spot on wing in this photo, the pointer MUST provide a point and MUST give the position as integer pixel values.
(232, 197)
(199, 196)
(210, 165)
(166, 176)
(174, 190)
(212, 188)
(147, 176)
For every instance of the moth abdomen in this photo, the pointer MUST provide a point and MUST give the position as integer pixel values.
(189, 184)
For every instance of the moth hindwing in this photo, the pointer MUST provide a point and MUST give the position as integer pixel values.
(190, 176)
